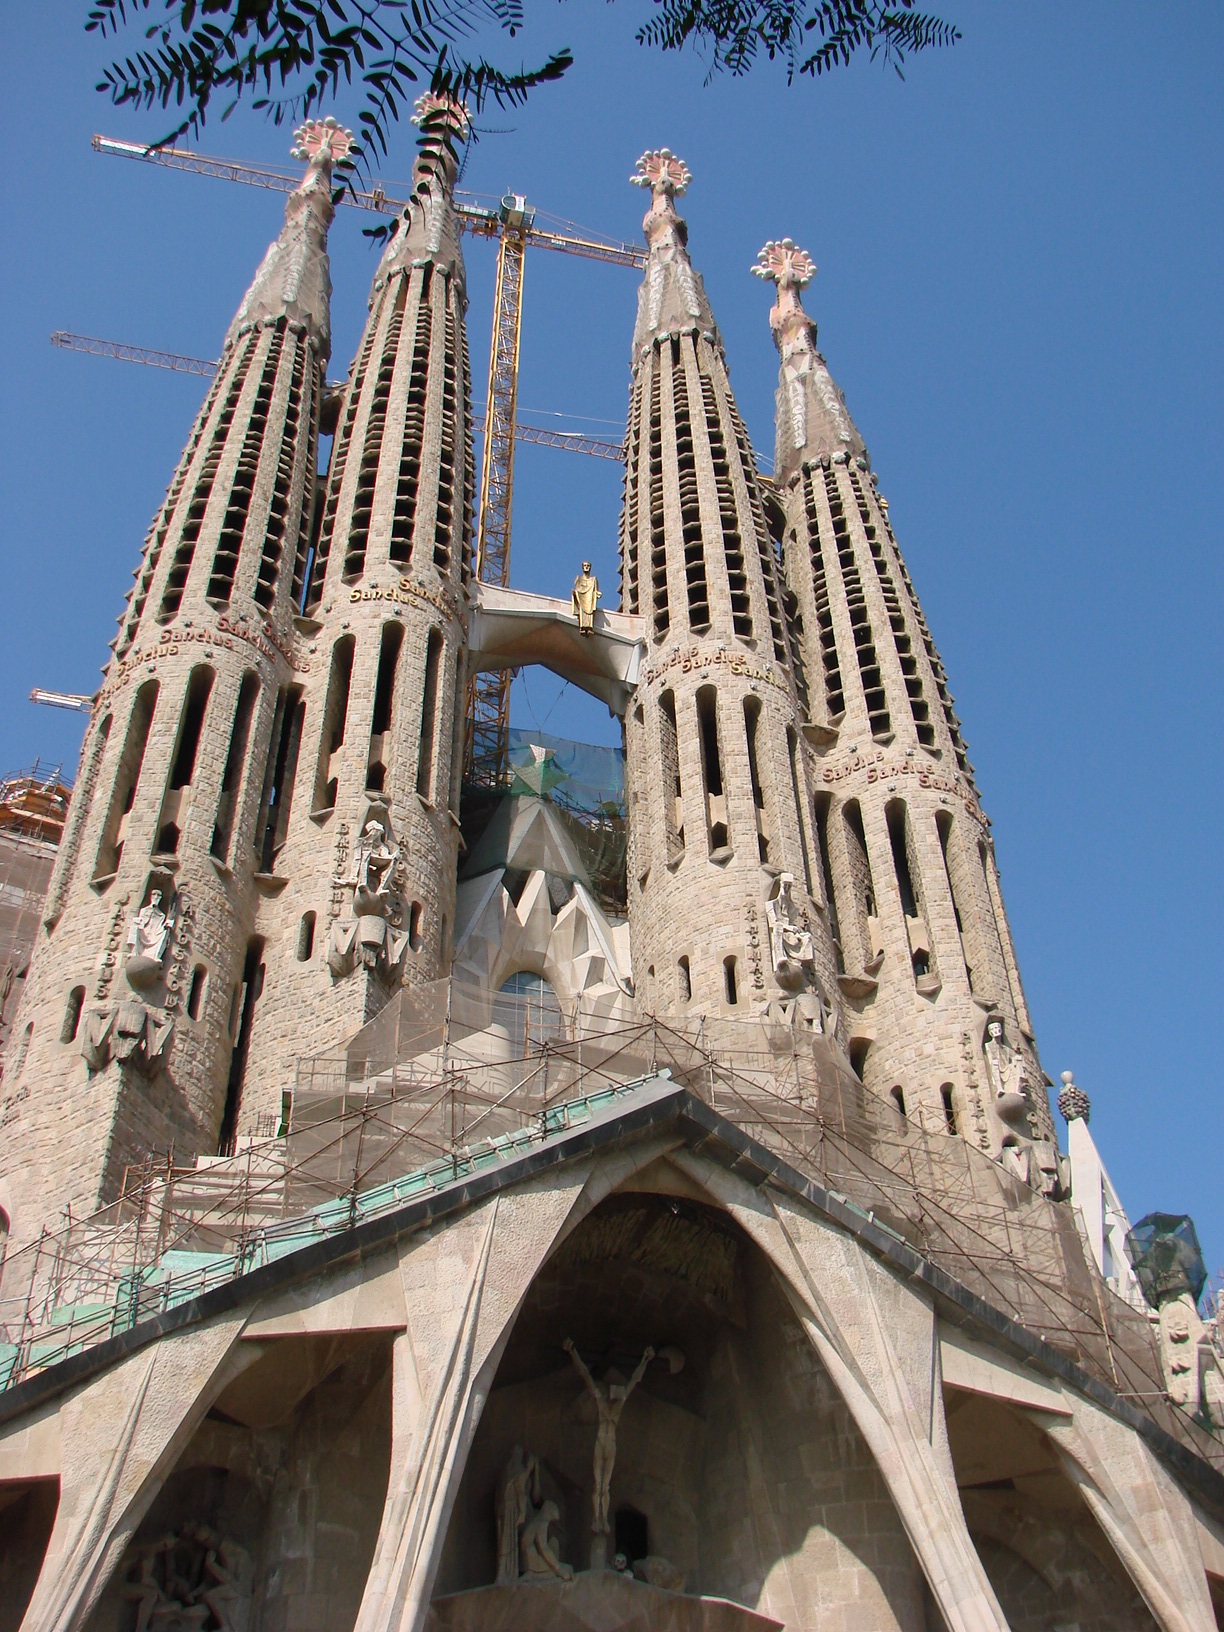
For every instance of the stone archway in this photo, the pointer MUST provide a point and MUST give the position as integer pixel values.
(736, 1456)
(1045, 1554)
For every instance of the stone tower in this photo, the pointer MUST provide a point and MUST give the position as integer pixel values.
(365, 861)
(723, 883)
(933, 1003)
(138, 981)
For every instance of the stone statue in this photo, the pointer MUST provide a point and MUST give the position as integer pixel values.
(1005, 1071)
(520, 1487)
(586, 594)
(610, 1401)
(148, 938)
(189, 1580)
(539, 1552)
(371, 935)
(227, 1588)
(130, 1032)
(791, 946)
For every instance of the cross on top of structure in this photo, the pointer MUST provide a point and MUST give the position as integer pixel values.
(781, 261)
(444, 114)
(322, 142)
(661, 171)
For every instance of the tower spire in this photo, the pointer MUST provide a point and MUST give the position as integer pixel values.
(672, 299)
(294, 277)
(427, 231)
(812, 420)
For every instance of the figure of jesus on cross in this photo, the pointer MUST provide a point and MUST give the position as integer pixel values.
(609, 1403)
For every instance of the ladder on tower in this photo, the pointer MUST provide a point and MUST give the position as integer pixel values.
(514, 225)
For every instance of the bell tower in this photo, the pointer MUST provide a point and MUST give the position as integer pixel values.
(366, 877)
(134, 1009)
(724, 910)
(934, 1008)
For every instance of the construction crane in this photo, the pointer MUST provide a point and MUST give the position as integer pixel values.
(513, 224)
(72, 700)
(567, 441)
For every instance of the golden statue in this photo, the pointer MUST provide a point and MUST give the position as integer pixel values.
(586, 593)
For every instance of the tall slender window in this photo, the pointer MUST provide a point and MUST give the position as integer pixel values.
(730, 984)
(335, 718)
(278, 778)
(182, 768)
(822, 806)
(658, 515)
(371, 448)
(127, 779)
(862, 888)
(245, 999)
(752, 721)
(711, 768)
(796, 776)
(673, 803)
(235, 761)
(429, 716)
(384, 707)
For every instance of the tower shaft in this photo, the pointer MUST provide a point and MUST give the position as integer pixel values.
(925, 958)
(723, 902)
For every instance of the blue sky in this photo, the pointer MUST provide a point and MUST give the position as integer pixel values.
(1021, 253)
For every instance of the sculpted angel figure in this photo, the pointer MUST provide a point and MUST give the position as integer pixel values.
(609, 1403)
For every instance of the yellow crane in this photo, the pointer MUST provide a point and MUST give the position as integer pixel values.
(515, 227)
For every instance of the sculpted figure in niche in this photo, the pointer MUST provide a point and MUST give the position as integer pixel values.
(520, 1487)
(367, 937)
(586, 594)
(1005, 1071)
(610, 1401)
(539, 1551)
(148, 938)
(792, 950)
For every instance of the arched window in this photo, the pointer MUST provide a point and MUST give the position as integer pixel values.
(72, 1014)
(528, 1009)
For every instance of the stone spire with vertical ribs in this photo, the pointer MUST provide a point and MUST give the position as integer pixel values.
(924, 953)
(719, 812)
(294, 277)
(812, 418)
(383, 700)
(186, 785)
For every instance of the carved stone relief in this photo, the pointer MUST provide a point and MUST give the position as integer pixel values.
(371, 934)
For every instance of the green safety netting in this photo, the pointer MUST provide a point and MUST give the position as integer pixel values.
(563, 810)
(1164, 1249)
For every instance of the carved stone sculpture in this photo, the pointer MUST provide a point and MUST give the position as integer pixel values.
(586, 594)
(371, 936)
(1005, 1072)
(610, 1401)
(539, 1551)
(148, 939)
(129, 1032)
(791, 947)
(190, 1581)
(520, 1487)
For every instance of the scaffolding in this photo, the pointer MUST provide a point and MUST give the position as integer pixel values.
(33, 805)
(443, 1085)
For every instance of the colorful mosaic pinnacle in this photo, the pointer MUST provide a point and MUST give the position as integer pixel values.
(781, 261)
(322, 141)
(661, 171)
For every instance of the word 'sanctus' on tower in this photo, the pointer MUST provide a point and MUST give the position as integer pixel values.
(934, 1008)
(144, 965)
(724, 907)
(369, 858)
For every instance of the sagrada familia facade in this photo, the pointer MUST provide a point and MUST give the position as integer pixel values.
(401, 1236)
